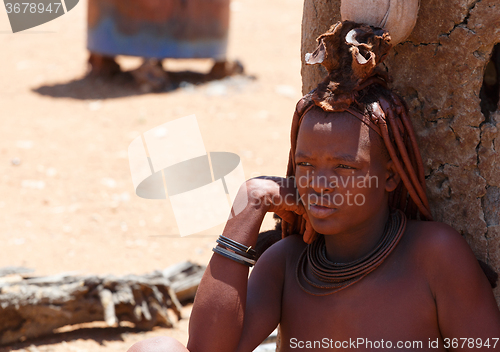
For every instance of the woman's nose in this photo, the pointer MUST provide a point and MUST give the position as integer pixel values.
(322, 182)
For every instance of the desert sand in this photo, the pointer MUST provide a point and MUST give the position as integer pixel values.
(67, 202)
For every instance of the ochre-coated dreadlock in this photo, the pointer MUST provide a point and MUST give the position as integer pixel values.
(351, 52)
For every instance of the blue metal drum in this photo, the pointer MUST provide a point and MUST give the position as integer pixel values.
(159, 28)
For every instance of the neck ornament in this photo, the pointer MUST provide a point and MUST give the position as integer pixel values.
(319, 276)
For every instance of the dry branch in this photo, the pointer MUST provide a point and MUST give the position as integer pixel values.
(33, 307)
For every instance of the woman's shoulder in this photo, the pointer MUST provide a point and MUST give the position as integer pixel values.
(283, 250)
(441, 251)
(433, 237)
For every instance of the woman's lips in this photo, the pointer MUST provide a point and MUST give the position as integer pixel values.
(319, 211)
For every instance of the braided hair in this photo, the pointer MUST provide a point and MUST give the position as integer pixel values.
(351, 52)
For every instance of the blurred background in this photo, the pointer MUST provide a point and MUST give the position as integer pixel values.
(67, 203)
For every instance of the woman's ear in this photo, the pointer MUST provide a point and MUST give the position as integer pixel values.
(392, 177)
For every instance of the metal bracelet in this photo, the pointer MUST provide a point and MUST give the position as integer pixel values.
(236, 255)
(233, 256)
(235, 249)
(242, 247)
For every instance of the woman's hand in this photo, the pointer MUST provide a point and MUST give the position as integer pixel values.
(278, 195)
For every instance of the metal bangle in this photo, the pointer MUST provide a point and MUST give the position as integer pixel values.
(235, 249)
(238, 245)
(233, 256)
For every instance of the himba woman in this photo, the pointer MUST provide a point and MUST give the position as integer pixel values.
(361, 265)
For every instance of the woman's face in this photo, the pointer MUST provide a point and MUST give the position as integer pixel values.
(342, 174)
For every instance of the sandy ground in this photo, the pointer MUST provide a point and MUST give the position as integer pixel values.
(67, 201)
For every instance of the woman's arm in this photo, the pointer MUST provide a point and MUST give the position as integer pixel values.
(217, 318)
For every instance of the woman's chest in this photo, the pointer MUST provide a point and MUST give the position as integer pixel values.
(387, 305)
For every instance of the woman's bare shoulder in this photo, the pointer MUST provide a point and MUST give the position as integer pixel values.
(444, 254)
(282, 252)
(285, 247)
(435, 238)
(455, 280)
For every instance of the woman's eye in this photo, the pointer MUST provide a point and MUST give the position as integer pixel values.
(342, 166)
(304, 163)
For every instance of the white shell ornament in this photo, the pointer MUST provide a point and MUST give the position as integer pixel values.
(398, 17)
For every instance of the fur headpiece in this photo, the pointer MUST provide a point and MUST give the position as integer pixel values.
(350, 52)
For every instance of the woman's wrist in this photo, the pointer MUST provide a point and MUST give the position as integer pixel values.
(260, 193)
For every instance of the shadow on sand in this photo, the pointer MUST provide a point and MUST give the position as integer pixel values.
(98, 334)
(121, 85)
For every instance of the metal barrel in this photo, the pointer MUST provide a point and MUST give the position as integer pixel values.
(159, 28)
